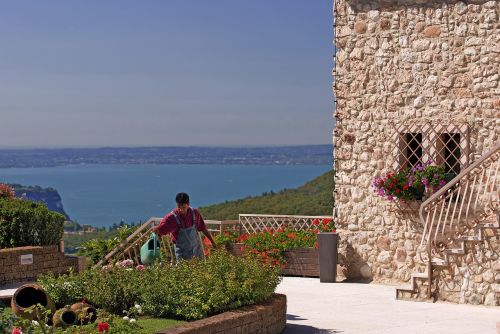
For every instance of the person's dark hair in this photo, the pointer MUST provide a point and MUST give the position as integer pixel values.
(182, 198)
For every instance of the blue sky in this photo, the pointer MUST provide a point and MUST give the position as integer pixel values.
(166, 72)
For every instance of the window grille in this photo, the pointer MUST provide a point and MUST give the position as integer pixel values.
(443, 144)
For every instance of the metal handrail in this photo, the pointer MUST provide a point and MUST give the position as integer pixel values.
(130, 239)
(457, 179)
(442, 195)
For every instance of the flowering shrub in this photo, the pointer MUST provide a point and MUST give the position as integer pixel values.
(190, 290)
(270, 246)
(6, 191)
(410, 184)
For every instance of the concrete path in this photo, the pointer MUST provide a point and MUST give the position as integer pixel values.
(314, 307)
(7, 291)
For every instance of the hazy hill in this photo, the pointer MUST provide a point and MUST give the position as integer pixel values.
(271, 155)
(313, 198)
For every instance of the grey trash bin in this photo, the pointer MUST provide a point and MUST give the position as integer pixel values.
(328, 253)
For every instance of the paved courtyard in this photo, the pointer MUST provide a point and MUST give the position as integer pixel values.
(349, 308)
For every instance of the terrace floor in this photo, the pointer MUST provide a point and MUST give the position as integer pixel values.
(314, 307)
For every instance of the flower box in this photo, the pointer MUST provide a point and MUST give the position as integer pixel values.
(298, 261)
(301, 262)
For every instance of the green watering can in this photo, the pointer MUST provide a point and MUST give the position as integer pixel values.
(150, 251)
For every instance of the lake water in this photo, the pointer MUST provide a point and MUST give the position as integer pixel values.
(101, 195)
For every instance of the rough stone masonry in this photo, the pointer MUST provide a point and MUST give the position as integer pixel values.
(399, 61)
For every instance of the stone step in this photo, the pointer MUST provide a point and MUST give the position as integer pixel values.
(455, 251)
(471, 238)
(420, 275)
(408, 288)
(440, 263)
(490, 225)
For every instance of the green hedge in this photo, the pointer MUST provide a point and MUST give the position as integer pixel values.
(189, 290)
(26, 223)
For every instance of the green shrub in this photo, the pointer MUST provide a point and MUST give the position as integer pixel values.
(26, 223)
(97, 248)
(190, 290)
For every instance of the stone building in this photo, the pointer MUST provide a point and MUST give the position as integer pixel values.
(418, 81)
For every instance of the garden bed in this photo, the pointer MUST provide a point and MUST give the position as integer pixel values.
(302, 261)
(267, 317)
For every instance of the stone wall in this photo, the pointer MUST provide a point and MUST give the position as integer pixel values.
(401, 61)
(46, 259)
(264, 318)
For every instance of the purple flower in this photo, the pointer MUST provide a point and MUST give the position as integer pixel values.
(442, 183)
(390, 198)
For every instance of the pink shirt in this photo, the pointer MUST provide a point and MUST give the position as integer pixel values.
(169, 225)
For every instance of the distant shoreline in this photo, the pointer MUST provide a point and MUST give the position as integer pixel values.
(192, 155)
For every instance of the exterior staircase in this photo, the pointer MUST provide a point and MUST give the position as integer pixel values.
(464, 213)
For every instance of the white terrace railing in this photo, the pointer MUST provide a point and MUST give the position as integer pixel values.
(130, 247)
(250, 223)
(454, 212)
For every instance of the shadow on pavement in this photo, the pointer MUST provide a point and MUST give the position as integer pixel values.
(294, 317)
(304, 329)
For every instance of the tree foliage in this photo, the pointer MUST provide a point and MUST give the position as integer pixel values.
(314, 198)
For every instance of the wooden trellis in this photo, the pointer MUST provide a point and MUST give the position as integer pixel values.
(259, 223)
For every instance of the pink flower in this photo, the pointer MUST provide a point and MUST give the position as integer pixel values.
(140, 267)
(127, 263)
(16, 330)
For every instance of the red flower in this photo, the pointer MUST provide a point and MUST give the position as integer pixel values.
(334, 230)
(316, 245)
(206, 251)
(316, 231)
(254, 251)
(291, 235)
(102, 327)
(327, 221)
(315, 222)
(16, 330)
(398, 191)
(405, 187)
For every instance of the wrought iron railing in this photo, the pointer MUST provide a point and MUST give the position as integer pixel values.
(452, 214)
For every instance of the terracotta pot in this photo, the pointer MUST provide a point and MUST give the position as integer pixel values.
(85, 313)
(64, 317)
(27, 296)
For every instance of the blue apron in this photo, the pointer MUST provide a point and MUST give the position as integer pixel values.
(188, 243)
